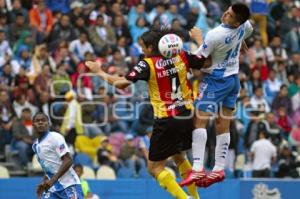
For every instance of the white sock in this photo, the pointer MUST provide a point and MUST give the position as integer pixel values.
(221, 151)
(198, 148)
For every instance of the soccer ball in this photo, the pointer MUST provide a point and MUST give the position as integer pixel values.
(170, 45)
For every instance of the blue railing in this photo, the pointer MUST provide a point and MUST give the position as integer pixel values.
(24, 188)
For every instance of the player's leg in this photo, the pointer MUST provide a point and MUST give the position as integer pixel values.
(225, 115)
(184, 168)
(165, 179)
(205, 105)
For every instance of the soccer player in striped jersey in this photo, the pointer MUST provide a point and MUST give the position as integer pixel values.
(171, 97)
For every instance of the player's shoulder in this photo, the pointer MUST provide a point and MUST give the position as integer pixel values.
(215, 34)
(55, 135)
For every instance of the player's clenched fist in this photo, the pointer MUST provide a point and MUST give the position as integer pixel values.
(94, 66)
(196, 34)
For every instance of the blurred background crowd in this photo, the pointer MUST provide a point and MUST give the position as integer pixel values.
(44, 43)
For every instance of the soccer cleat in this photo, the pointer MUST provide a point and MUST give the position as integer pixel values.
(211, 178)
(192, 177)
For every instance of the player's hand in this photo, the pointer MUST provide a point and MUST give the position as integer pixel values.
(39, 190)
(48, 184)
(94, 66)
(196, 34)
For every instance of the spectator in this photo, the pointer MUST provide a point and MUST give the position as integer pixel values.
(282, 100)
(263, 68)
(282, 73)
(257, 51)
(87, 194)
(5, 50)
(263, 153)
(6, 78)
(62, 31)
(7, 117)
(43, 81)
(121, 29)
(275, 52)
(20, 103)
(287, 164)
(80, 46)
(138, 28)
(258, 102)
(72, 122)
(23, 136)
(76, 11)
(130, 155)
(17, 9)
(259, 10)
(40, 59)
(294, 87)
(41, 18)
(102, 35)
(285, 122)
(271, 87)
(254, 82)
(17, 27)
(270, 126)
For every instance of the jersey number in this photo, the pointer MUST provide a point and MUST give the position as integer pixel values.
(232, 54)
(176, 90)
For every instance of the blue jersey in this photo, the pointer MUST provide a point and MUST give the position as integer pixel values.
(221, 85)
(223, 44)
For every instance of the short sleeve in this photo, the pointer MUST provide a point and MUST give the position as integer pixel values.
(60, 145)
(248, 29)
(253, 148)
(207, 47)
(194, 61)
(141, 71)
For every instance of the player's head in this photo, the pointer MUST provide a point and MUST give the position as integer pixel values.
(150, 39)
(40, 122)
(236, 15)
(78, 169)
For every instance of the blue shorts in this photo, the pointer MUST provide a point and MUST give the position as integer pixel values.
(215, 93)
(71, 192)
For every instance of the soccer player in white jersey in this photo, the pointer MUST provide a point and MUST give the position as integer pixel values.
(60, 181)
(219, 90)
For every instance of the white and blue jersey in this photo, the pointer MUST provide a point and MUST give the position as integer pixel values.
(221, 83)
(49, 150)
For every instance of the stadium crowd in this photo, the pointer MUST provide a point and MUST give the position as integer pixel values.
(43, 46)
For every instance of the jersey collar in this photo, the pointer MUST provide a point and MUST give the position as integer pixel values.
(227, 26)
(43, 137)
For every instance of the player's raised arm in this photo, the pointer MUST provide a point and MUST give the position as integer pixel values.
(196, 34)
(119, 82)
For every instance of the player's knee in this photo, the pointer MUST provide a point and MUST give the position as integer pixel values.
(201, 119)
(154, 169)
(178, 158)
(222, 126)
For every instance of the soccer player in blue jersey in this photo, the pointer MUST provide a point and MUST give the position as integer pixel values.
(219, 90)
(60, 181)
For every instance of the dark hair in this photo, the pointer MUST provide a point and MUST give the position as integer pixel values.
(26, 110)
(78, 166)
(152, 37)
(40, 113)
(241, 11)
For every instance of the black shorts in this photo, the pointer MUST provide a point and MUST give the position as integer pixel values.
(170, 136)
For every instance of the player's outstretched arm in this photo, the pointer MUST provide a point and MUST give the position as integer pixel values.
(119, 82)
